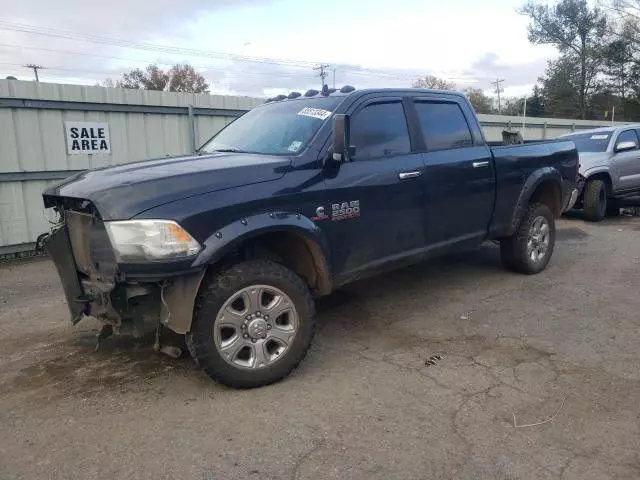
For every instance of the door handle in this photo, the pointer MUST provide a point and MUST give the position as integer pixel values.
(406, 175)
(481, 164)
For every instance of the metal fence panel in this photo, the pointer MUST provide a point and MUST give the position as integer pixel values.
(142, 124)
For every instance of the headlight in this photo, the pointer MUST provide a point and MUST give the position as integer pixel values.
(150, 240)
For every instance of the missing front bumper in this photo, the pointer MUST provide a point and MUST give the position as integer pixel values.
(169, 302)
(58, 246)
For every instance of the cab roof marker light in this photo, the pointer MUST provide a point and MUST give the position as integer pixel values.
(311, 93)
(280, 97)
(347, 89)
(293, 95)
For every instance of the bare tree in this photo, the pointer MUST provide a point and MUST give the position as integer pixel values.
(183, 78)
(179, 78)
(435, 83)
(107, 82)
(481, 103)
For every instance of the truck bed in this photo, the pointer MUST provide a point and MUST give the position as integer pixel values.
(515, 166)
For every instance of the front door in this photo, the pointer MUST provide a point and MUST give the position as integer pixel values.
(626, 165)
(375, 209)
(459, 180)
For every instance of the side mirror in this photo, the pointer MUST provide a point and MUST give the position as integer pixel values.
(626, 146)
(340, 138)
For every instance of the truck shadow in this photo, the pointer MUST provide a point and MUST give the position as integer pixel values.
(72, 367)
(432, 276)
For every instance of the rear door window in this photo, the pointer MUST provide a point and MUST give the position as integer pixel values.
(443, 125)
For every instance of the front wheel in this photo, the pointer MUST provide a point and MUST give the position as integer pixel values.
(252, 325)
(595, 200)
(530, 248)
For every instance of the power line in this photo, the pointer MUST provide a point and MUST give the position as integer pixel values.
(90, 38)
(351, 71)
(69, 35)
(228, 73)
(35, 69)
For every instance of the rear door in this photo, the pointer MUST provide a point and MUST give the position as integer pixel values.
(384, 181)
(459, 180)
(626, 165)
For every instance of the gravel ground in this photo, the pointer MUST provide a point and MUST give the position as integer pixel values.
(363, 405)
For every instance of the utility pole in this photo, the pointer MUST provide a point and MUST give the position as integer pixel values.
(334, 77)
(524, 116)
(323, 73)
(498, 91)
(35, 69)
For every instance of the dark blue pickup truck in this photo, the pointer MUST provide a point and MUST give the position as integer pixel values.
(229, 247)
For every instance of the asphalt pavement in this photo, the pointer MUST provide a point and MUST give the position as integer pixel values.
(453, 369)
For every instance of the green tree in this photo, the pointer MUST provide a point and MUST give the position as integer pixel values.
(560, 89)
(481, 103)
(578, 32)
(434, 83)
(536, 103)
(621, 76)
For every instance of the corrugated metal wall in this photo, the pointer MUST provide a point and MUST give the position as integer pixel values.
(142, 124)
(534, 128)
(32, 139)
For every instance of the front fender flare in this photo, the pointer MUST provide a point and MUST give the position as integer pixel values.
(596, 170)
(179, 296)
(227, 238)
(532, 182)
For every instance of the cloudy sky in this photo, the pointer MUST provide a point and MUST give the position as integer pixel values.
(264, 47)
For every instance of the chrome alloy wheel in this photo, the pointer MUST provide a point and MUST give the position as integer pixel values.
(538, 240)
(255, 327)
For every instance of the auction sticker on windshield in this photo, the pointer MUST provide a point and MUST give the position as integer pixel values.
(315, 113)
(295, 146)
(599, 137)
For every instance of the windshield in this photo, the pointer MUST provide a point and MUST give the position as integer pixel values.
(278, 128)
(591, 142)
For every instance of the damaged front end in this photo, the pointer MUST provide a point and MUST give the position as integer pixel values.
(97, 285)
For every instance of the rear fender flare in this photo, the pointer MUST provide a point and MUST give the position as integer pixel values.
(533, 181)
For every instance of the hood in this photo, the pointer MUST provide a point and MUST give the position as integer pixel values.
(123, 191)
(590, 160)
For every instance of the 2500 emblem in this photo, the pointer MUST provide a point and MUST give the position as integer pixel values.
(344, 210)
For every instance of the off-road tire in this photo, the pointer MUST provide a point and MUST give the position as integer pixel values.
(217, 289)
(513, 249)
(595, 200)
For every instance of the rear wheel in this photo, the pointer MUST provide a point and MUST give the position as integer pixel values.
(253, 324)
(530, 248)
(595, 200)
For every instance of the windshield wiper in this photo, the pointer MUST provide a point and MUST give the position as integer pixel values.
(231, 150)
